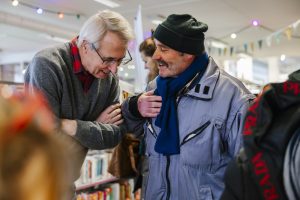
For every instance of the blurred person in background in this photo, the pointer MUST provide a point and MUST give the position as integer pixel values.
(79, 81)
(267, 167)
(33, 160)
(147, 49)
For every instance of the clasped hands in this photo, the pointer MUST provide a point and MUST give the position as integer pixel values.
(111, 115)
(148, 105)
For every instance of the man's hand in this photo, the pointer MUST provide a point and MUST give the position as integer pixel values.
(111, 115)
(149, 105)
(69, 126)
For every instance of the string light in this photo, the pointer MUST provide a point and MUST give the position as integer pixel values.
(15, 3)
(221, 46)
(40, 10)
(233, 35)
(255, 22)
(60, 15)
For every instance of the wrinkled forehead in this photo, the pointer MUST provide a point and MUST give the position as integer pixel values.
(113, 40)
(112, 45)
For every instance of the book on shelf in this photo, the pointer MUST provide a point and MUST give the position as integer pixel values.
(114, 191)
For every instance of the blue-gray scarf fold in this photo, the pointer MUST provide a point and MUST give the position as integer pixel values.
(167, 141)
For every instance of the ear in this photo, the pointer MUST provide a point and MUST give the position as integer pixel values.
(85, 46)
(188, 57)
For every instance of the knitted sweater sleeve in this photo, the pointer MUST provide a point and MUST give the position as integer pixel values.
(42, 76)
(96, 135)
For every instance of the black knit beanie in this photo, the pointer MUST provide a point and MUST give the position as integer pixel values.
(182, 33)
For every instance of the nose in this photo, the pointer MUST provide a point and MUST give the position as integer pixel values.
(156, 55)
(113, 68)
(147, 65)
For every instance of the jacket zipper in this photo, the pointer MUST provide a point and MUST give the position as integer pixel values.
(151, 129)
(194, 133)
(168, 157)
(167, 178)
(153, 132)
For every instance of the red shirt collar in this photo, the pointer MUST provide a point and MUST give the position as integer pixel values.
(85, 78)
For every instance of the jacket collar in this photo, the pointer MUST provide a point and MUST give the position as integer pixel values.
(206, 86)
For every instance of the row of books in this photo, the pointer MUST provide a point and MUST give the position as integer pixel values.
(115, 191)
(94, 168)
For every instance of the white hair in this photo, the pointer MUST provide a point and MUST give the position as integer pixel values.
(95, 28)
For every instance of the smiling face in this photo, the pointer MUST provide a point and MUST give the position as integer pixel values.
(171, 63)
(93, 60)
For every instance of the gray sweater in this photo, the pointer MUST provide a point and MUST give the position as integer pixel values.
(51, 71)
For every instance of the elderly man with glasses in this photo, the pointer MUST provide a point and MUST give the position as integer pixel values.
(78, 79)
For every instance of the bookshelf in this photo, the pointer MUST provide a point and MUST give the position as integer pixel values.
(119, 190)
(7, 88)
(96, 183)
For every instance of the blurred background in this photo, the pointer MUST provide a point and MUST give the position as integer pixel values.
(256, 41)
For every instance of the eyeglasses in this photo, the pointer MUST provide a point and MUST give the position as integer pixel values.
(112, 61)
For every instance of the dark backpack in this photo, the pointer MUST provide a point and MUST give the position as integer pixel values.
(273, 118)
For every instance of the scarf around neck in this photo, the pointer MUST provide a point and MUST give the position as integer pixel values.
(167, 141)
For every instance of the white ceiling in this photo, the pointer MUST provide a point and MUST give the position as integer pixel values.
(21, 29)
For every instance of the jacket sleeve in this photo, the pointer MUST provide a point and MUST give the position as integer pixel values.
(132, 118)
(238, 180)
(44, 75)
(235, 136)
(233, 182)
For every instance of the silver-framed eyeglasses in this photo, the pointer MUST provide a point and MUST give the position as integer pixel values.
(110, 61)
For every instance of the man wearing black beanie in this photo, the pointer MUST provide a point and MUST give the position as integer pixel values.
(193, 116)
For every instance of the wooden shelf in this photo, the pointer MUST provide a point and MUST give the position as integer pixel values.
(89, 185)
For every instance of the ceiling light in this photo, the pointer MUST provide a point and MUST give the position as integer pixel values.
(282, 57)
(58, 39)
(108, 3)
(39, 11)
(54, 38)
(121, 69)
(243, 55)
(255, 22)
(217, 44)
(15, 2)
(131, 67)
(126, 74)
(233, 35)
(60, 15)
(156, 22)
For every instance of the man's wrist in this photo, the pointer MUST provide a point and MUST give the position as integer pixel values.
(69, 126)
(133, 106)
